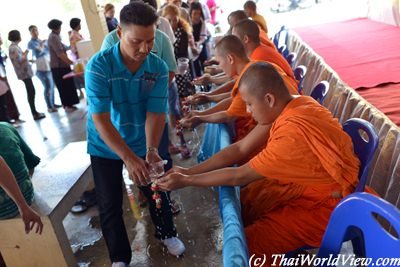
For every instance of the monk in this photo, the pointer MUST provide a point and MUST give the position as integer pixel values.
(236, 16)
(291, 187)
(249, 33)
(250, 8)
(233, 60)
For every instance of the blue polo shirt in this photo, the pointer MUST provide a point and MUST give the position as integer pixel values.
(111, 87)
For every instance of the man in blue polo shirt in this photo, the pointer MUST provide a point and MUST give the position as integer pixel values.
(127, 90)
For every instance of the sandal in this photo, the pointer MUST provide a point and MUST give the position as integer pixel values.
(79, 207)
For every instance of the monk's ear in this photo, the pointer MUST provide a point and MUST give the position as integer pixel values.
(270, 100)
(119, 31)
(230, 59)
(246, 39)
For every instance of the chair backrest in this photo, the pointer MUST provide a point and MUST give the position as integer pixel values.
(319, 92)
(299, 74)
(281, 37)
(357, 213)
(359, 130)
(291, 58)
(282, 50)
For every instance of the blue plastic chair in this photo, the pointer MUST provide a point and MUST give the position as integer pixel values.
(283, 33)
(319, 92)
(283, 50)
(299, 74)
(291, 58)
(364, 149)
(356, 215)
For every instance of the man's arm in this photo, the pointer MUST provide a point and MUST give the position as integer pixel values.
(236, 152)
(219, 97)
(222, 177)
(226, 87)
(109, 134)
(9, 184)
(218, 117)
(155, 123)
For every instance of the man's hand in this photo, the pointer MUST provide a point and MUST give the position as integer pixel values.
(191, 122)
(31, 218)
(199, 99)
(138, 170)
(152, 156)
(172, 181)
(211, 61)
(202, 80)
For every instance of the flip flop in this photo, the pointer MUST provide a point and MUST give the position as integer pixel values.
(79, 207)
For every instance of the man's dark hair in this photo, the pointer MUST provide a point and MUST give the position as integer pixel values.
(250, 28)
(230, 44)
(54, 24)
(153, 3)
(74, 22)
(261, 78)
(31, 27)
(251, 5)
(138, 13)
(14, 36)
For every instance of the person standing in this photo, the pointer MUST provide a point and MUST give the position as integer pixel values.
(74, 38)
(60, 65)
(40, 51)
(12, 112)
(109, 12)
(23, 70)
(127, 92)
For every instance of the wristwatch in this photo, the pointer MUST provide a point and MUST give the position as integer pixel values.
(152, 149)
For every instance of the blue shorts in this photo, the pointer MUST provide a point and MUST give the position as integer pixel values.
(173, 99)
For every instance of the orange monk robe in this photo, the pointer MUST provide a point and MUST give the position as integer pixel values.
(244, 122)
(265, 40)
(309, 165)
(266, 53)
(261, 22)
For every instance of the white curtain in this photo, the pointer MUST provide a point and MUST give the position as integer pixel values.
(386, 11)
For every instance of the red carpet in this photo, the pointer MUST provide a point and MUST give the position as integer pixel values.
(364, 53)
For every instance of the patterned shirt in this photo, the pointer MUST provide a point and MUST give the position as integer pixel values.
(21, 65)
(127, 96)
(20, 159)
(56, 47)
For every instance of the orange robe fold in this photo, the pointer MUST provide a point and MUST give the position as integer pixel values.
(308, 165)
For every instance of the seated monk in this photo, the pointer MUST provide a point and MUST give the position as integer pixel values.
(291, 187)
(248, 32)
(232, 56)
(236, 16)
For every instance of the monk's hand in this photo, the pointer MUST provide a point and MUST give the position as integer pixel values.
(202, 80)
(211, 61)
(191, 122)
(31, 219)
(199, 99)
(172, 181)
(137, 169)
(178, 169)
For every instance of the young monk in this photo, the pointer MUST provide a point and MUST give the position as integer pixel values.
(250, 8)
(249, 33)
(306, 167)
(236, 16)
(233, 60)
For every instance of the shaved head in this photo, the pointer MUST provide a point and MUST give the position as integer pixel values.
(247, 28)
(262, 78)
(236, 16)
(231, 45)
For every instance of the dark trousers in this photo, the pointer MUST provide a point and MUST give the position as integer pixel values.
(3, 108)
(108, 180)
(30, 92)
